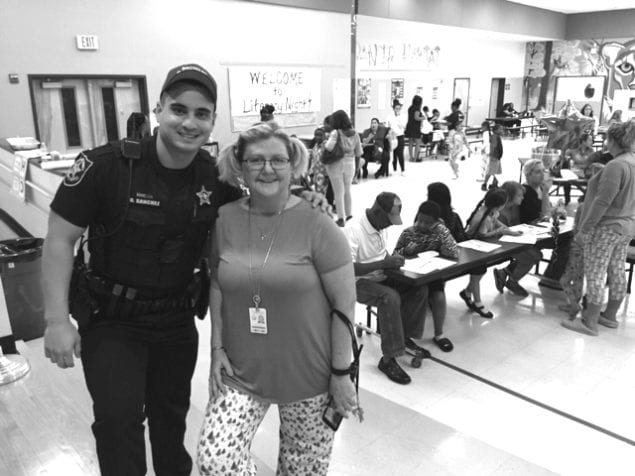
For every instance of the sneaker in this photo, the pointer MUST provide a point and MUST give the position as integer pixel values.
(500, 278)
(516, 288)
(393, 371)
(340, 222)
(413, 348)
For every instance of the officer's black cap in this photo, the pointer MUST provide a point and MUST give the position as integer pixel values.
(191, 72)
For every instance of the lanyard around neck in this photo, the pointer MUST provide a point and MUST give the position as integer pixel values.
(255, 283)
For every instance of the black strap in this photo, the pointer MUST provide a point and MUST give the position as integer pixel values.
(353, 370)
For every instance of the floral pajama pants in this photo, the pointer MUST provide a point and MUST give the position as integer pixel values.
(604, 257)
(231, 421)
(572, 280)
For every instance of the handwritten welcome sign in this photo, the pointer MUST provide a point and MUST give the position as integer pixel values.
(397, 56)
(294, 92)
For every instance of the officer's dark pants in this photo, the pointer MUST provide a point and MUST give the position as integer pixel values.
(134, 372)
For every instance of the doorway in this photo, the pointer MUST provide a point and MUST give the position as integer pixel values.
(496, 98)
(76, 113)
(462, 92)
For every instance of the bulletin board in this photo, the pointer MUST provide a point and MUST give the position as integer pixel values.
(293, 91)
(581, 90)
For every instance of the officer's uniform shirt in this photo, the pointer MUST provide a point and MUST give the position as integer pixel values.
(95, 190)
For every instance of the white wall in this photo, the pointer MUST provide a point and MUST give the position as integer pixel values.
(148, 37)
(464, 54)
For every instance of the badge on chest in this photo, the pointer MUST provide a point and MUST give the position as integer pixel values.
(258, 320)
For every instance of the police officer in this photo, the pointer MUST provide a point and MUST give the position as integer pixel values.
(149, 207)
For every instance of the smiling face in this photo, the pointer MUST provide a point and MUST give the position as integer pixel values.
(265, 181)
(186, 116)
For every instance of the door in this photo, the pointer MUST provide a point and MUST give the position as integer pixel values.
(497, 97)
(73, 114)
(462, 92)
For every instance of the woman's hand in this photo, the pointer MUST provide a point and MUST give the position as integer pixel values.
(509, 232)
(317, 200)
(220, 362)
(343, 392)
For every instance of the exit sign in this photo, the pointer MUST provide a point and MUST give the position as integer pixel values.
(87, 42)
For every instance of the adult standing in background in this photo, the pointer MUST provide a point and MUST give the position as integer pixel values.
(456, 116)
(395, 121)
(606, 227)
(413, 131)
(342, 172)
(278, 269)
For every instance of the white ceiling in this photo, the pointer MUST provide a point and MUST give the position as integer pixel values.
(578, 6)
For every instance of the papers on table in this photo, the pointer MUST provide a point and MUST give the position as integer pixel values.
(533, 233)
(479, 245)
(530, 233)
(426, 263)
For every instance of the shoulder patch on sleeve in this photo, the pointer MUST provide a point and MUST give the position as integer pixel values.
(75, 175)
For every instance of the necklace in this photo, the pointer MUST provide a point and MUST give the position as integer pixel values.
(255, 281)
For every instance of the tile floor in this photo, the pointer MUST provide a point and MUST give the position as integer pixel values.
(445, 422)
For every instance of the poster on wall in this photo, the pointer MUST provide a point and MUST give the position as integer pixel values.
(294, 93)
(396, 90)
(580, 90)
(363, 93)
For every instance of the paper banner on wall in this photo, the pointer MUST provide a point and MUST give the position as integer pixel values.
(396, 89)
(294, 92)
(379, 55)
(363, 93)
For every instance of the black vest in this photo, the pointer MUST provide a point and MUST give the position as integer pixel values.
(133, 244)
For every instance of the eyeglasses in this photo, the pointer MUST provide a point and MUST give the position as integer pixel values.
(257, 163)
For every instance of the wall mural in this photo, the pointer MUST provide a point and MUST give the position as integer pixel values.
(544, 61)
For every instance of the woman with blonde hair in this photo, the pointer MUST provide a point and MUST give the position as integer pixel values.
(279, 267)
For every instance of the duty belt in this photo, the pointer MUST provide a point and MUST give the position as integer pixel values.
(118, 301)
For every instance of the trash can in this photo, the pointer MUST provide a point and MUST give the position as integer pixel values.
(20, 273)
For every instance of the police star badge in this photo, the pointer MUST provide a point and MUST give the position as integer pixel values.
(203, 196)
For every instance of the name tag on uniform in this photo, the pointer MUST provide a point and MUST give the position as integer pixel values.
(258, 320)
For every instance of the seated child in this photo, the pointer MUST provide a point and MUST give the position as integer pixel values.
(430, 234)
